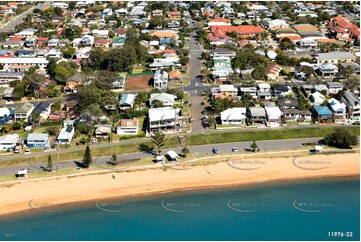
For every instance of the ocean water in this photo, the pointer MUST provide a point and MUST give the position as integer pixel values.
(302, 210)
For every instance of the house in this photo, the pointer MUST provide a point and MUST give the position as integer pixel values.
(352, 104)
(70, 105)
(174, 76)
(127, 101)
(334, 58)
(263, 87)
(23, 112)
(223, 52)
(321, 113)
(71, 85)
(166, 118)
(287, 103)
(273, 71)
(103, 131)
(327, 70)
(338, 109)
(102, 43)
(228, 90)
(281, 90)
(165, 98)
(22, 64)
(57, 115)
(274, 115)
(296, 115)
(9, 141)
(264, 95)
(66, 135)
(128, 126)
(53, 53)
(354, 66)
(317, 98)
(160, 79)
(250, 91)
(6, 115)
(320, 88)
(118, 42)
(25, 53)
(37, 140)
(43, 109)
(7, 77)
(334, 87)
(8, 94)
(233, 116)
(258, 114)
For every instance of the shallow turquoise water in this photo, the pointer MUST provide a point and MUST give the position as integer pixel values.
(302, 210)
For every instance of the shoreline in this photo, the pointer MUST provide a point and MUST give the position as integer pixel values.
(137, 184)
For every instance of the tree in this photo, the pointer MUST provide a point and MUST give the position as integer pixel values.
(254, 146)
(286, 43)
(50, 163)
(87, 159)
(157, 104)
(114, 157)
(341, 138)
(185, 151)
(16, 126)
(159, 139)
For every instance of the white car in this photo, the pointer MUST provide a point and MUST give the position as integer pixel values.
(234, 149)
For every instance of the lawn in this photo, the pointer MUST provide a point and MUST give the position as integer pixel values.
(271, 134)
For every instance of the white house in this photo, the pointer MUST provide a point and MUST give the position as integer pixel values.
(165, 98)
(160, 79)
(127, 100)
(317, 98)
(264, 87)
(353, 105)
(66, 135)
(273, 116)
(8, 141)
(22, 64)
(338, 109)
(128, 126)
(233, 116)
(334, 87)
(164, 118)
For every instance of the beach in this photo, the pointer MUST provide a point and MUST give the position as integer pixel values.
(237, 170)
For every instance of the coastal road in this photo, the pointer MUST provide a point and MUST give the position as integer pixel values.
(200, 150)
(20, 18)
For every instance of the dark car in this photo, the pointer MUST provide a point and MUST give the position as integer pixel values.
(215, 151)
(202, 103)
(186, 102)
(190, 105)
(203, 112)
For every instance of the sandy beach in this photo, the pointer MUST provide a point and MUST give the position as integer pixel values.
(235, 171)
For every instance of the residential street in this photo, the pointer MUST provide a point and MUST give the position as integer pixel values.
(20, 18)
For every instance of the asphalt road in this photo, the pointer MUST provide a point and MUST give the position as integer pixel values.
(200, 150)
(20, 18)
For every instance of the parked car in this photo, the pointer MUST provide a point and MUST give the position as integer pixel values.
(17, 150)
(202, 103)
(203, 112)
(94, 140)
(234, 149)
(215, 151)
(27, 150)
(190, 105)
(186, 102)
